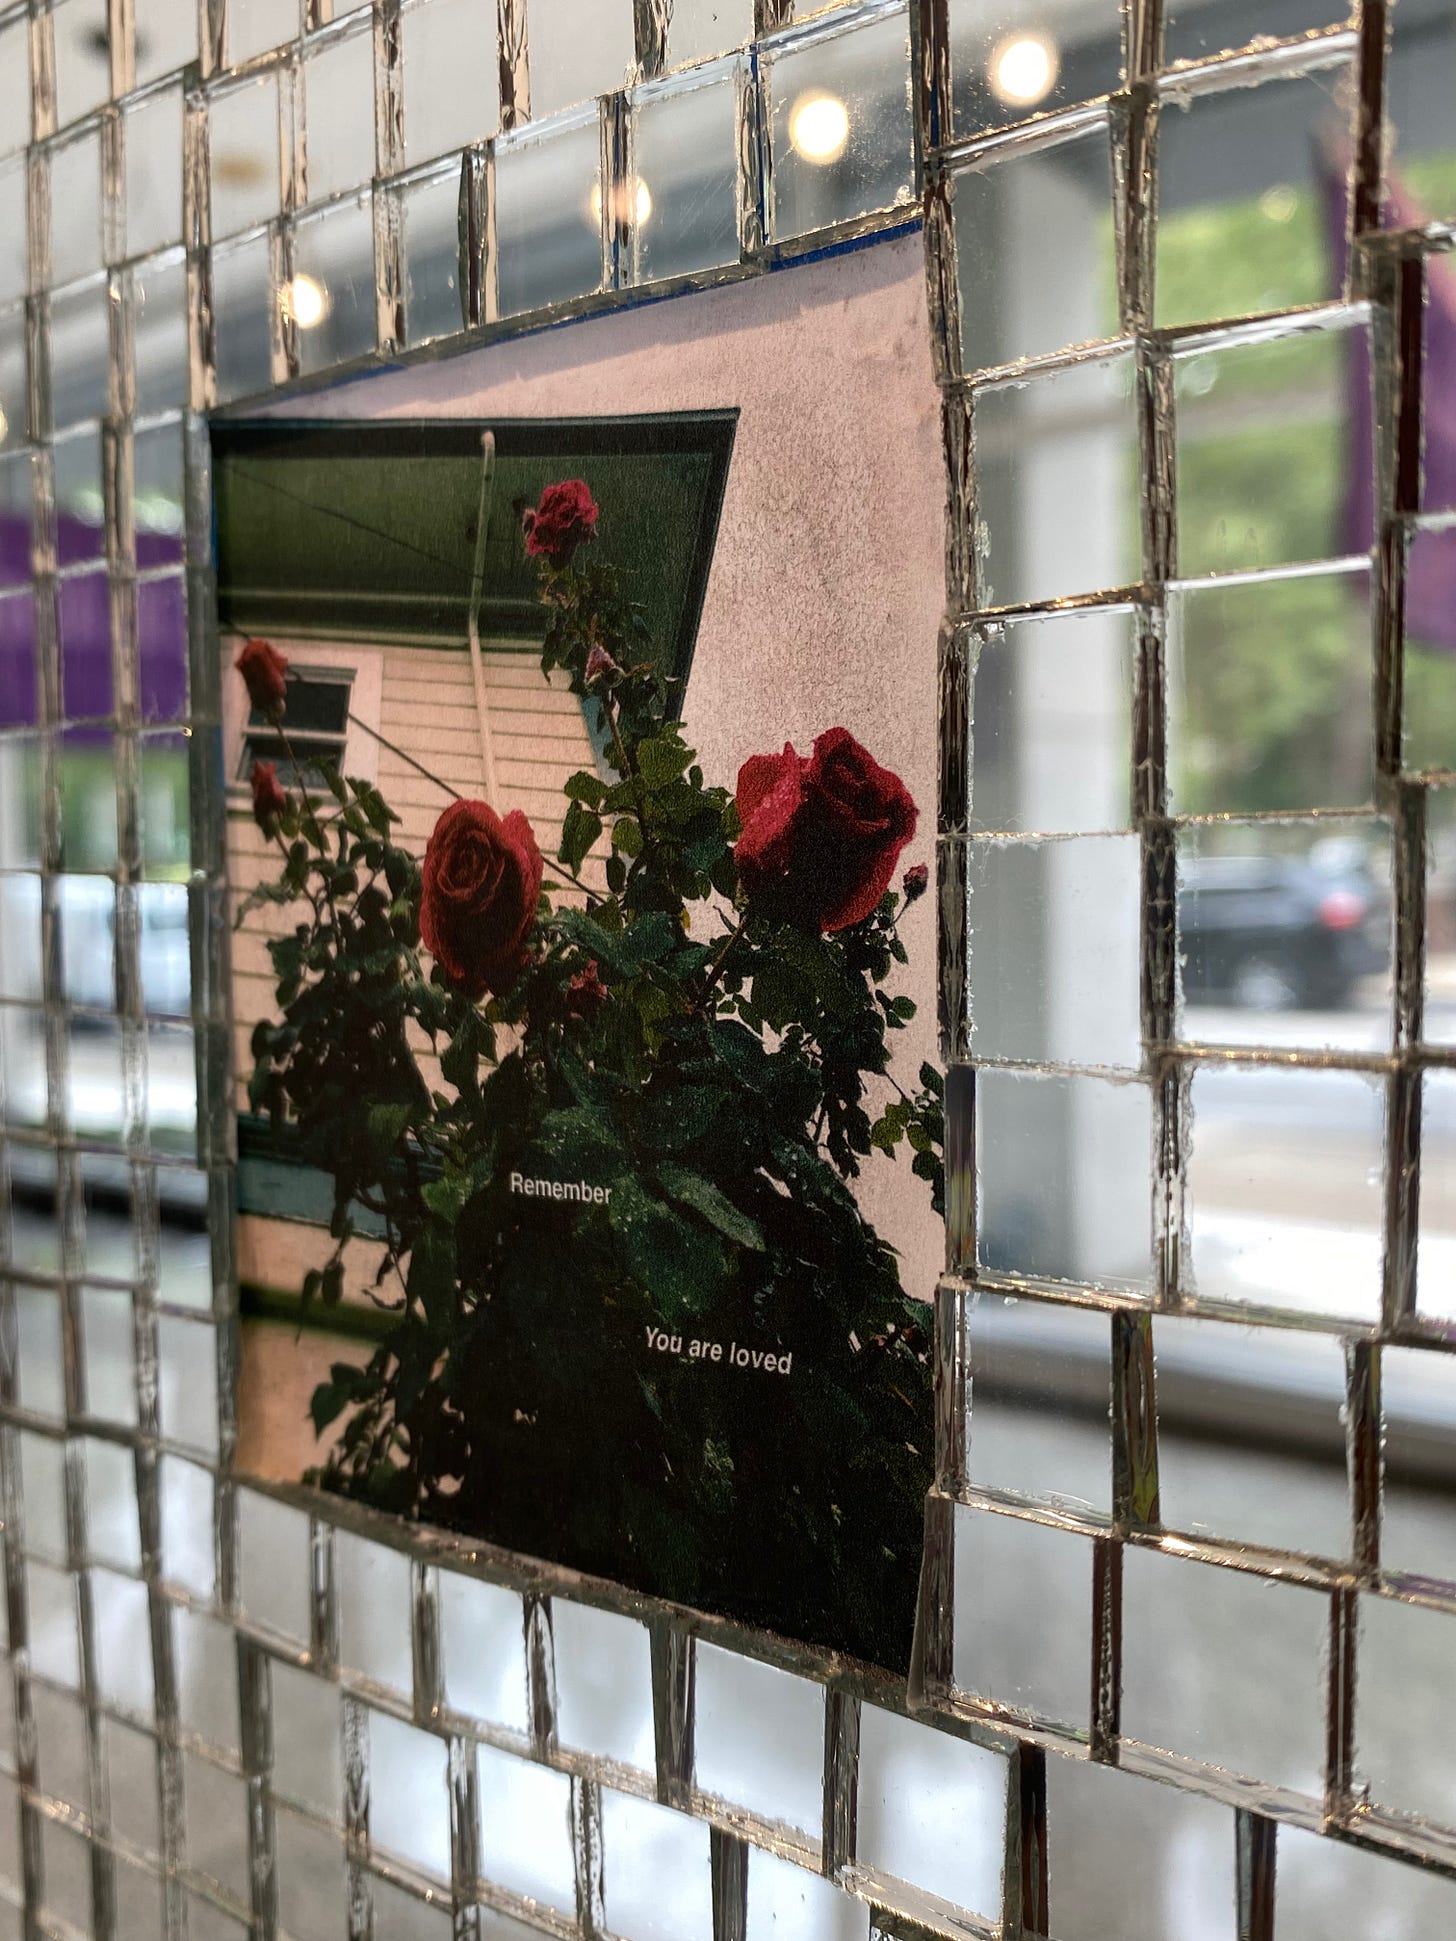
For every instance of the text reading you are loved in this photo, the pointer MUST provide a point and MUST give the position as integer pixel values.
(662, 1343)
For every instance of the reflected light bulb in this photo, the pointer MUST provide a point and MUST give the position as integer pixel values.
(1024, 68)
(642, 202)
(819, 127)
(305, 301)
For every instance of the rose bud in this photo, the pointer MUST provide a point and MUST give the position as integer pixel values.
(821, 834)
(599, 663)
(586, 993)
(915, 882)
(565, 519)
(265, 674)
(480, 882)
(270, 798)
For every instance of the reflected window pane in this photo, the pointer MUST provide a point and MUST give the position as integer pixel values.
(1285, 1180)
(1418, 1417)
(451, 76)
(1063, 1178)
(685, 200)
(431, 223)
(1035, 250)
(338, 81)
(1273, 461)
(701, 28)
(242, 278)
(1251, 1435)
(1270, 693)
(1132, 1857)
(243, 141)
(1041, 1392)
(1225, 1668)
(331, 296)
(1421, 85)
(76, 207)
(1057, 456)
(1249, 218)
(152, 132)
(578, 52)
(1436, 1256)
(546, 261)
(1286, 934)
(841, 125)
(1054, 950)
(1015, 58)
(1022, 1601)
(1052, 722)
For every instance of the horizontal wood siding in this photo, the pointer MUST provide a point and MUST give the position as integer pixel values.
(427, 709)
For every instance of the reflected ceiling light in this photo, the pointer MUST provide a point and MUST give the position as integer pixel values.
(1024, 69)
(819, 127)
(305, 301)
(623, 198)
(4, 425)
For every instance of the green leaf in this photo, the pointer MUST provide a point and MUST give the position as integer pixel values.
(662, 759)
(627, 835)
(387, 1122)
(680, 1265)
(586, 788)
(692, 1189)
(647, 938)
(575, 1141)
(579, 831)
(432, 1277)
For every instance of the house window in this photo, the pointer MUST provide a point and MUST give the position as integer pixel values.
(315, 730)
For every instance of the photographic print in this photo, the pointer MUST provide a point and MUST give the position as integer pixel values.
(579, 730)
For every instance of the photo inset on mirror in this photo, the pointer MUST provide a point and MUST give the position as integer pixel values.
(579, 746)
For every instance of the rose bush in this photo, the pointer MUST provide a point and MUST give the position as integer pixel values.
(821, 833)
(270, 799)
(265, 675)
(691, 1007)
(481, 881)
(565, 519)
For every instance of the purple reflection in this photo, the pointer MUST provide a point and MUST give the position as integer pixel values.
(17, 662)
(162, 630)
(85, 648)
(14, 548)
(85, 628)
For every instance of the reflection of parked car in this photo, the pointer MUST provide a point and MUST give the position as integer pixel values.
(1275, 932)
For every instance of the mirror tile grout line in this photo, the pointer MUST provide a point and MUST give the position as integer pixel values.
(154, 1648)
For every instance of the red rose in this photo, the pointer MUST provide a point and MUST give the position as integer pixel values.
(915, 882)
(482, 876)
(599, 662)
(821, 834)
(270, 798)
(565, 519)
(265, 674)
(586, 993)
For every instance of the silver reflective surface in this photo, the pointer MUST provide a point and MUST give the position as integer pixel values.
(1193, 1517)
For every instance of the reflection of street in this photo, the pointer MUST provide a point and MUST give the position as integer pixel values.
(1287, 1166)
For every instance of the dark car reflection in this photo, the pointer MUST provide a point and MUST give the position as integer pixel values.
(1278, 933)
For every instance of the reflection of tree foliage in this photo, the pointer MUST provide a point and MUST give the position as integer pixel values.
(1275, 686)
